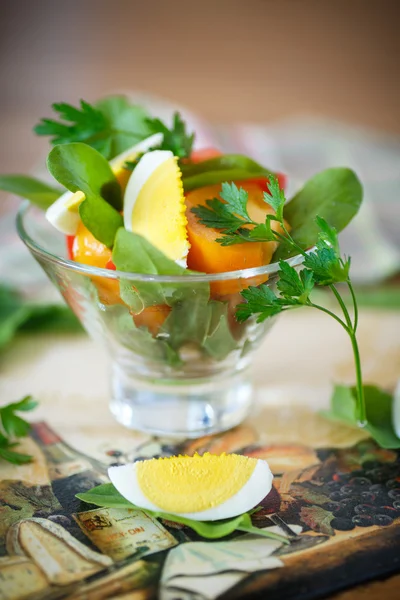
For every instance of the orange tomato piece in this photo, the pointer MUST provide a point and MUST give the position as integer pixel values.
(203, 154)
(208, 256)
(152, 317)
(89, 251)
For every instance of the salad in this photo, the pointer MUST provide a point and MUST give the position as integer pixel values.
(133, 195)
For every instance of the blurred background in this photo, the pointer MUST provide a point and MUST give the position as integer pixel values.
(227, 60)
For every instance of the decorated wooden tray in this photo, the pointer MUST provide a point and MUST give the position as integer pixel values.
(339, 507)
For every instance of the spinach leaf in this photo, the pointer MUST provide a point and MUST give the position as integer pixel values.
(38, 192)
(17, 314)
(81, 168)
(334, 194)
(378, 411)
(219, 341)
(107, 496)
(132, 253)
(139, 339)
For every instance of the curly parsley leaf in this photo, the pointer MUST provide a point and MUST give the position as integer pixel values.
(293, 285)
(275, 197)
(111, 126)
(259, 300)
(229, 214)
(12, 427)
(327, 267)
(107, 496)
(176, 139)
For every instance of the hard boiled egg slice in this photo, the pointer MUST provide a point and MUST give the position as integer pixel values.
(154, 204)
(202, 488)
(63, 214)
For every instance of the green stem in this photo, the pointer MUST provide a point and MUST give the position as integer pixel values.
(362, 414)
(355, 306)
(265, 533)
(342, 306)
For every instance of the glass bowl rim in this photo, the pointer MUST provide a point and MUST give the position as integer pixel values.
(37, 249)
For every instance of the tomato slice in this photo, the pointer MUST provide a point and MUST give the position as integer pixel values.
(198, 156)
(70, 241)
(263, 181)
(110, 265)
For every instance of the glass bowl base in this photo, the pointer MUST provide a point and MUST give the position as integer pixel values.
(179, 408)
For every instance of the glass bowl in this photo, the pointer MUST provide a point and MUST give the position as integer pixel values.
(179, 359)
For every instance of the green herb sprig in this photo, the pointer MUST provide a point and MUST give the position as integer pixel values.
(323, 266)
(107, 496)
(13, 426)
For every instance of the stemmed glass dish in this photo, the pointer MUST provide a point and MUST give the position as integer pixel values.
(180, 368)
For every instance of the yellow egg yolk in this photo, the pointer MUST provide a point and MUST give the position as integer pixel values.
(159, 211)
(187, 484)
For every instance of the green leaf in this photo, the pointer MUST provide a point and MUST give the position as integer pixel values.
(127, 123)
(16, 458)
(326, 265)
(225, 163)
(50, 318)
(236, 199)
(176, 139)
(139, 339)
(275, 197)
(218, 215)
(38, 192)
(219, 341)
(378, 409)
(12, 424)
(328, 234)
(189, 318)
(111, 126)
(291, 284)
(334, 195)
(107, 496)
(81, 168)
(260, 300)
(16, 314)
(134, 254)
(13, 313)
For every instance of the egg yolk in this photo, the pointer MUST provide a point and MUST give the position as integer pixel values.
(187, 484)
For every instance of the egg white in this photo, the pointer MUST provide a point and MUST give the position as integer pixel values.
(258, 486)
(143, 170)
(67, 220)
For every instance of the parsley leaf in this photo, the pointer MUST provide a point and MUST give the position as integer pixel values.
(261, 300)
(229, 214)
(111, 126)
(176, 139)
(327, 267)
(292, 285)
(84, 124)
(275, 197)
(13, 426)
